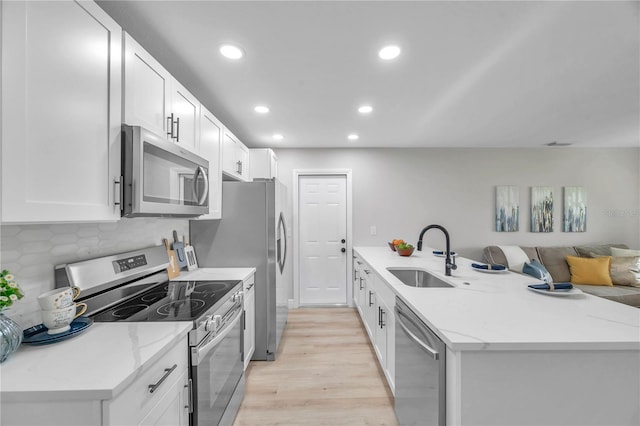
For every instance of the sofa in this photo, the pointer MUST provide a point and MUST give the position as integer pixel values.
(554, 260)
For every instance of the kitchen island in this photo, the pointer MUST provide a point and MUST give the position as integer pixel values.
(515, 356)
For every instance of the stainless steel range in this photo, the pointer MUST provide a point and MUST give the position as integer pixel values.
(134, 286)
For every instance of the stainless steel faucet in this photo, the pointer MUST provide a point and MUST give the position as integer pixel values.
(448, 263)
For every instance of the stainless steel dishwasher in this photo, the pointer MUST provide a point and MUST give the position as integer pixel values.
(420, 371)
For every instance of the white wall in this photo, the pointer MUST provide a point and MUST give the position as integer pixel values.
(400, 191)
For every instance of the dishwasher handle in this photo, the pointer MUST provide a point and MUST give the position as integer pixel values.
(434, 353)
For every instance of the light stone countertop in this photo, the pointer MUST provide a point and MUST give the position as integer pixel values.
(103, 360)
(97, 364)
(499, 312)
(216, 274)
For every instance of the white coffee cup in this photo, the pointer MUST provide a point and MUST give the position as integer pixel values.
(58, 298)
(58, 320)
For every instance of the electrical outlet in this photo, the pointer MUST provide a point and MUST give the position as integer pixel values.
(373, 231)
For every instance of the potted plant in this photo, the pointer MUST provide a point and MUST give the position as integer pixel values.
(10, 331)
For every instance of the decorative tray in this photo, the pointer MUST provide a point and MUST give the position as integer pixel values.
(37, 335)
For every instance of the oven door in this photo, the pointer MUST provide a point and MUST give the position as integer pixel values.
(216, 371)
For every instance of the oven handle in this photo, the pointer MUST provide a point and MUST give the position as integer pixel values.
(199, 352)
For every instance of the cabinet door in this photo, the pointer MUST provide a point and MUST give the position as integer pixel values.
(211, 149)
(61, 112)
(234, 157)
(380, 345)
(356, 284)
(186, 115)
(243, 157)
(250, 325)
(136, 404)
(264, 163)
(369, 305)
(147, 89)
(173, 408)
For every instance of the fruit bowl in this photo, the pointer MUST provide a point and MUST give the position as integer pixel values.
(405, 251)
(392, 247)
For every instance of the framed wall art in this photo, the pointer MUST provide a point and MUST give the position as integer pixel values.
(507, 209)
(575, 209)
(541, 209)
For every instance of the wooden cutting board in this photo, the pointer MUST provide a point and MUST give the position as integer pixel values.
(173, 270)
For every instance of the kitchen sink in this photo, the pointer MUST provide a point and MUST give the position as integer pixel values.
(418, 278)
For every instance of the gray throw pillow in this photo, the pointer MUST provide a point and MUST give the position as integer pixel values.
(624, 270)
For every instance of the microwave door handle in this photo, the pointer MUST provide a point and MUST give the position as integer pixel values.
(201, 198)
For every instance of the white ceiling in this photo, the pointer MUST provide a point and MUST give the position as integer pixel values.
(471, 73)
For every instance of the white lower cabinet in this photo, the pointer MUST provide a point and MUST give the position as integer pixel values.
(168, 405)
(358, 286)
(159, 396)
(249, 320)
(375, 302)
(385, 342)
(369, 307)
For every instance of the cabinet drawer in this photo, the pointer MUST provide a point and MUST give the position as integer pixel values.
(135, 402)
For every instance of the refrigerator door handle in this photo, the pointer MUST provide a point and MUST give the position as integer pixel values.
(282, 242)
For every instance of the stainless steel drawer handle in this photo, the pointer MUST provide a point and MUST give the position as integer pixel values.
(167, 371)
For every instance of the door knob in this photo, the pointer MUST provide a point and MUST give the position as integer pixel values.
(343, 249)
(344, 241)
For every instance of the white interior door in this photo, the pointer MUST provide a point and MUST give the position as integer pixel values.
(322, 214)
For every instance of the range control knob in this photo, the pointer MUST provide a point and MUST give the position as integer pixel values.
(208, 323)
(217, 320)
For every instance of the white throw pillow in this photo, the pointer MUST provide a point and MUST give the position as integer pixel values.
(618, 252)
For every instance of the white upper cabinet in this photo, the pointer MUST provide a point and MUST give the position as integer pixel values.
(235, 158)
(185, 112)
(147, 89)
(156, 101)
(211, 130)
(61, 112)
(264, 163)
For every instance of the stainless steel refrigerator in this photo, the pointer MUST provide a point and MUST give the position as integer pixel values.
(252, 233)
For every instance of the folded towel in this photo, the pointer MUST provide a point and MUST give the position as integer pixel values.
(556, 286)
(492, 267)
(441, 253)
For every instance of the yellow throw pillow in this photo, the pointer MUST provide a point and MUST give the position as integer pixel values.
(589, 271)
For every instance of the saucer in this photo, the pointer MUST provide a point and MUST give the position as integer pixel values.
(37, 335)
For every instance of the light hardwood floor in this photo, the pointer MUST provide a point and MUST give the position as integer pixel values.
(325, 373)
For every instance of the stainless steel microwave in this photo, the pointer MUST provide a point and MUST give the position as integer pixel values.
(160, 178)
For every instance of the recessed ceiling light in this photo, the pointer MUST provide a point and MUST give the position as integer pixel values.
(261, 109)
(353, 137)
(389, 52)
(278, 137)
(231, 52)
(365, 109)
